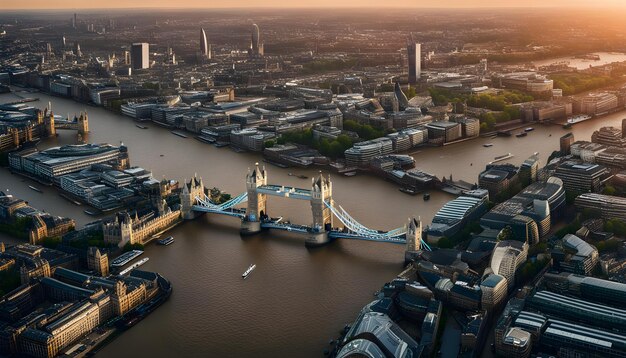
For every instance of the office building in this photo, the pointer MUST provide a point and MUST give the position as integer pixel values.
(610, 207)
(205, 47)
(414, 54)
(581, 177)
(362, 153)
(595, 103)
(524, 81)
(507, 257)
(455, 214)
(497, 178)
(54, 162)
(575, 255)
(565, 143)
(589, 288)
(610, 136)
(494, 292)
(444, 131)
(98, 261)
(256, 46)
(140, 55)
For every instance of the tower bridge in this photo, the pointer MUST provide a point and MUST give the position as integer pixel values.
(255, 217)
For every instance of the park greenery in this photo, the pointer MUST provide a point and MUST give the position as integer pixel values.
(332, 148)
(615, 226)
(93, 239)
(129, 247)
(501, 106)
(531, 268)
(577, 82)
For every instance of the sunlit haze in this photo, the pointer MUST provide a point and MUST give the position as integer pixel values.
(74, 4)
(312, 178)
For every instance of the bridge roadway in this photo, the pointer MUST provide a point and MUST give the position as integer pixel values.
(285, 191)
(353, 230)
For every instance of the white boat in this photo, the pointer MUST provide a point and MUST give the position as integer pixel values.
(577, 119)
(248, 271)
(501, 158)
(35, 189)
(167, 241)
(134, 266)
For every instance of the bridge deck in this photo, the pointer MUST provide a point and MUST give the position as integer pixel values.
(285, 191)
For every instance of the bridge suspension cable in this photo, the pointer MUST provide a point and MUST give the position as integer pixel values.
(354, 226)
(206, 202)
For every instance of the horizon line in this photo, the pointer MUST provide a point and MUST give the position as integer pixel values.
(352, 7)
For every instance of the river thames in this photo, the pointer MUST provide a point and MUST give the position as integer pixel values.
(297, 299)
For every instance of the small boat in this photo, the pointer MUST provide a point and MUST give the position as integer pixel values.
(140, 126)
(426, 197)
(35, 189)
(487, 145)
(134, 266)
(350, 174)
(529, 129)
(409, 191)
(501, 157)
(167, 241)
(248, 271)
(162, 155)
(521, 134)
(303, 176)
(503, 134)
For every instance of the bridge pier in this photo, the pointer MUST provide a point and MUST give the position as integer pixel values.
(316, 239)
(250, 227)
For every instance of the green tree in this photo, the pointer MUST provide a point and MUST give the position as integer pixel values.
(609, 190)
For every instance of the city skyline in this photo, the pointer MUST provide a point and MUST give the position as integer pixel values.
(477, 157)
(251, 4)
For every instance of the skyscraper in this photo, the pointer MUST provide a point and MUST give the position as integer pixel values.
(77, 50)
(256, 47)
(74, 23)
(205, 48)
(414, 51)
(140, 55)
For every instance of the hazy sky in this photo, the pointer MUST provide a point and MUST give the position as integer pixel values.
(74, 4)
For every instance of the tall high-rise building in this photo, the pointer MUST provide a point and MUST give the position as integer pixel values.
(205, 47)
(256, 46)
(140, 55)
(77, 50)
(63, 41)
(414, 51)
(74, 23)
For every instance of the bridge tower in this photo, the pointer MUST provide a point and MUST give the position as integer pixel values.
(321, 193)
(251, 223)
(413, 239)
(83, 123)
(191, 191)
(50, 128)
